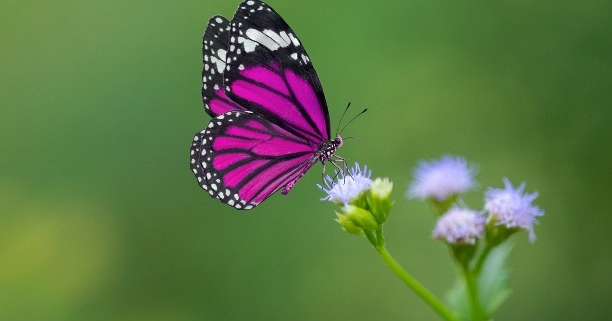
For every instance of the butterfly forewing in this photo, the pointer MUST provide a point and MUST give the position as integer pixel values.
(215, 43)
(269, 72)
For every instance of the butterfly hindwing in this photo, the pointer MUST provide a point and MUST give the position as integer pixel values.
(215, 43)
(241, 158)
(269, 72)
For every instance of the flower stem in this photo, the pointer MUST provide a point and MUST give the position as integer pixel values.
(481, 259)
(417, 287)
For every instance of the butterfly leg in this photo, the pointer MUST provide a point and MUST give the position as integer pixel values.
(337, 172)
(323, 172)
(344, 164)
(343, 170)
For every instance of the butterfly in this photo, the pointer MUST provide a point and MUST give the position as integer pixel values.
(270, 120)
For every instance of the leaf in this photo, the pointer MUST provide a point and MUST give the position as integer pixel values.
(458, 299)
(494, 278)
(492, 285)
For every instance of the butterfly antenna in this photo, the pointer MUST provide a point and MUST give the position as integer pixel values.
(352, 137)
(350, 121)
(342, 117)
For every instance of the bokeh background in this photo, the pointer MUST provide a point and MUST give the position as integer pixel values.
(101, 219)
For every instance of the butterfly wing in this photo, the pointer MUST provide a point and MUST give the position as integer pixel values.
(215, 43)
(241, 158)
(270, 112)
(269, 72)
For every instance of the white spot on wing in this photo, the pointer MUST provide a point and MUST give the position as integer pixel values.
(262, 38)
(220, 60)
(268, 38)
(249, 45)
(295, 41)
(281, 39)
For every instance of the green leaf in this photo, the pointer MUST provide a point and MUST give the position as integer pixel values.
(458, 300)
(494, 277)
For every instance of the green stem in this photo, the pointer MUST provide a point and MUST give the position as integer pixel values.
(471, 281)
(481, 258)
(371, 237)
(417, 287)
(380, 238)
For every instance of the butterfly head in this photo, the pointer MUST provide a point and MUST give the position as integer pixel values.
(338, 141)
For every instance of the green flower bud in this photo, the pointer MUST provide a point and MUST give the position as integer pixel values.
(497, 234)
(360, 200)
(348, 225)
(463, 253)
(380, 201)
(362, 218)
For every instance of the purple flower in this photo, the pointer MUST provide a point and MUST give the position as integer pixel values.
(460, 226)
(346, 187)
(441, 179)
(512, 207)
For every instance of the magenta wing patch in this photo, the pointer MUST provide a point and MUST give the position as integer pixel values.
(242, 158)
(270, 119)
(269, 72)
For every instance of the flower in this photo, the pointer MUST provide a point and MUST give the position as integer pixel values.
(441, 179)
(346, 187)
(379, 199)
(381, 188)
(512, 208)
(460, 226)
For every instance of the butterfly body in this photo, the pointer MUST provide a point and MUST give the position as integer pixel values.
(270, 120)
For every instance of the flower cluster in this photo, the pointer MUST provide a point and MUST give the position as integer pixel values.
(508, 210)
(365, 202)
(475, 238)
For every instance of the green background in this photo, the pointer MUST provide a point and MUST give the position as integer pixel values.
(101, 218)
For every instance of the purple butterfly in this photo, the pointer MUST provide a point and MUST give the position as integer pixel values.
(270, 120)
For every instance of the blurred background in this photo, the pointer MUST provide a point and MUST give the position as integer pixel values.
(101, 218)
